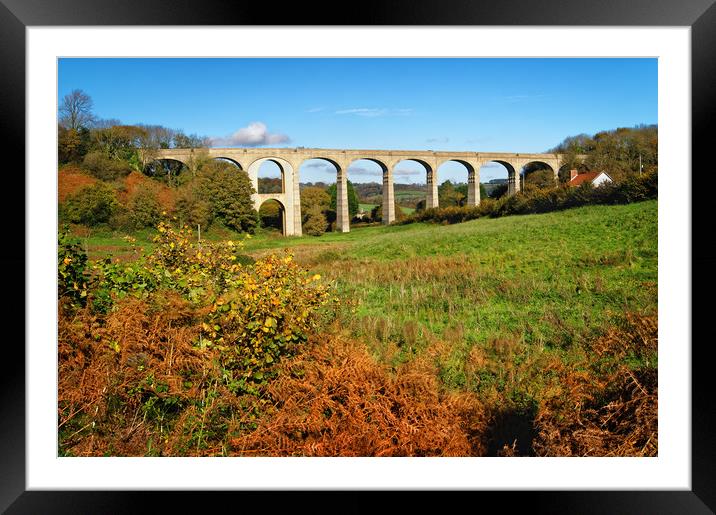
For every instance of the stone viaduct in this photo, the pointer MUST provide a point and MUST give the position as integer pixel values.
(289, 160)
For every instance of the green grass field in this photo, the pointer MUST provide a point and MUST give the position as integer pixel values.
(543, 280)
(547, 322)
(368, 207)
(409, 194)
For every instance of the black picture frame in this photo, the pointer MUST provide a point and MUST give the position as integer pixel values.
(700, 15)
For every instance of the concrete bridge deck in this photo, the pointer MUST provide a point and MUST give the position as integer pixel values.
(289, 160)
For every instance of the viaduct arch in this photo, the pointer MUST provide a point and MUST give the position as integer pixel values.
(289, 160)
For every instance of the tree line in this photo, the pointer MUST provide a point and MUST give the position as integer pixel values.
(204, 191)
(621, 152)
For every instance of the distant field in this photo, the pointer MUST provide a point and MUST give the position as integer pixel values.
(409, 195)
(368, 207)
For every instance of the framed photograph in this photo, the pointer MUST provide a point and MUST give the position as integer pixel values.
(472, 112)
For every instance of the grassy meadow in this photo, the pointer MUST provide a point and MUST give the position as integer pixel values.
(542, 320)
(544, 281)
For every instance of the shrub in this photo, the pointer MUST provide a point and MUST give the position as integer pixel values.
(145, 208)
(270, 310)
(104, 168)
(632, 189)
(121, 219)
(191, 209)
(376, 214)
(72, 273)
(92, 205)
(180, 340)
(315, 222)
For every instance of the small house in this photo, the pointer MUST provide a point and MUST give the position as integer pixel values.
(596, 178)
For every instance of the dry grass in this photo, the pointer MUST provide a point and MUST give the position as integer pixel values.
(335, 400)
(111, 370)
(135, 383)
(609, 410)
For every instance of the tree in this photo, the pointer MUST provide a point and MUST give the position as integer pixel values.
(539, 179)
(353, 204)
(191, 208)
(119, 141)
(72, 144)
(271, 215)
(313, 196)
(144, 207)
(315, 204)
(315, 221)
(377, 213)
(92, 205)
(229, 191)
(76, 110)
(153, 138)
(270, 184)
(105, 168)
(499, 191)
(617, 152)
(181, 140)
(452, 195)
(168, 171)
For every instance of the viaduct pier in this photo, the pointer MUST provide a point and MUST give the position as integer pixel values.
(289, 161)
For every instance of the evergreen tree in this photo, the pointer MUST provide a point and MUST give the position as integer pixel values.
(353, 204)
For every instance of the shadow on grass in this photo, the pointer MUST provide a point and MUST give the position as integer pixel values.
(512, 432)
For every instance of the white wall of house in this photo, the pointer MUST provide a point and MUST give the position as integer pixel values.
(601, 179)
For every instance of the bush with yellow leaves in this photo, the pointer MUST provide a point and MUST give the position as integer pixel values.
(183, 340)
(272, 307)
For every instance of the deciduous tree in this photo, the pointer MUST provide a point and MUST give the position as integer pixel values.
(229, 191)
(76, 110)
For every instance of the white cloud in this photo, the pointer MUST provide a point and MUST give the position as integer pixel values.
(359, 170)
(437, 140)
(318, 164)
(255, 135)
(315, 109)
(407, 173)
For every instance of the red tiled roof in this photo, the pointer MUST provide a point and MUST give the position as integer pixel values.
(584, 177)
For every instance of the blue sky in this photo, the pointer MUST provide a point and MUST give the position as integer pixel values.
(501, 105)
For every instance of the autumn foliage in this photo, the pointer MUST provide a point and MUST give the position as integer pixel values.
(70, 180)
(189, 351)
(154, 337)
